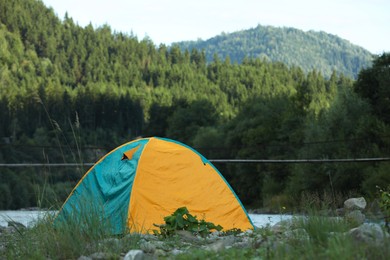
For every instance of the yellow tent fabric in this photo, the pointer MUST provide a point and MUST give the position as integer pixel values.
(157, 176)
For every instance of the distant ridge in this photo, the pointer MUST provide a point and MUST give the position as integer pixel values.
(309, 50)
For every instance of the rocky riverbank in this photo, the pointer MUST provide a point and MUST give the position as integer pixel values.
(285, 234)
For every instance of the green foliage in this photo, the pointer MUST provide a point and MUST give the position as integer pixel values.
(319, 227)
(384, 204)
(260, 131)
(307, 50)
(6, 197)
(373, 85)
(181, 219)
(384, 200)
(68, 241)
(188, 119)
(344, 130)
(310, 237)
(375, 176)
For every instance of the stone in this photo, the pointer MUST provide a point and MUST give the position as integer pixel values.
(147, 247)
(150, 237)
(369, 233)
(186, 235)
(160, 253)
(243, 244)
(355, 203)
(279, 227)
(299, 234)
(83, 257)
(247, 239)
(282, 226)
(246, 233)
(216, 246)
(161, 245)
(100, 255)
(223, 243)
(356, 217)
(177, 252)
(214, 234)
(110, 242)
(134, 254)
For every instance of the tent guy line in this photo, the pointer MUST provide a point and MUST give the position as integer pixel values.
(213, 161)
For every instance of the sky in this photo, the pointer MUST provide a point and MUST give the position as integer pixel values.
(365, 23)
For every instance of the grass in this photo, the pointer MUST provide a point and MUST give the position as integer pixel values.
(69, 241)
(328, 239)
(315, 236)
(319, 237)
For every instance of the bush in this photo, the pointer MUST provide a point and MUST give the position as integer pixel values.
(181, 219)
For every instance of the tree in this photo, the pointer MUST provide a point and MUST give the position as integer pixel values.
(6, 197)
(345, 130)
(373, 84)
(264, 129)
(187, 120)
(158, 124)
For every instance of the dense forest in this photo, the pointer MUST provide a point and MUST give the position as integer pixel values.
(308, 50)
(70, 94)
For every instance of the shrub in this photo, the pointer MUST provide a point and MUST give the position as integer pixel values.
(181, 219)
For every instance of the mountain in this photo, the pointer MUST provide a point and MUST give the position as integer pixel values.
(309, 50)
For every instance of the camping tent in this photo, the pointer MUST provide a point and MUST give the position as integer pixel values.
(139, 183)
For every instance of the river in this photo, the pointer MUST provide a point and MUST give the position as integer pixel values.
(29, 217)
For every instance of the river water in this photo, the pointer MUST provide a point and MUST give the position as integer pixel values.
(29, 217)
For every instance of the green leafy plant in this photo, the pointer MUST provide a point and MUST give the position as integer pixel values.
(384, 204)
(181, 219)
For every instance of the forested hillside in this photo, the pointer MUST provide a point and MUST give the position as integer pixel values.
(70, 94)
(308, 50)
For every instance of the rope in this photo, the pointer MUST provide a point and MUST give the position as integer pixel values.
(355, 160)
